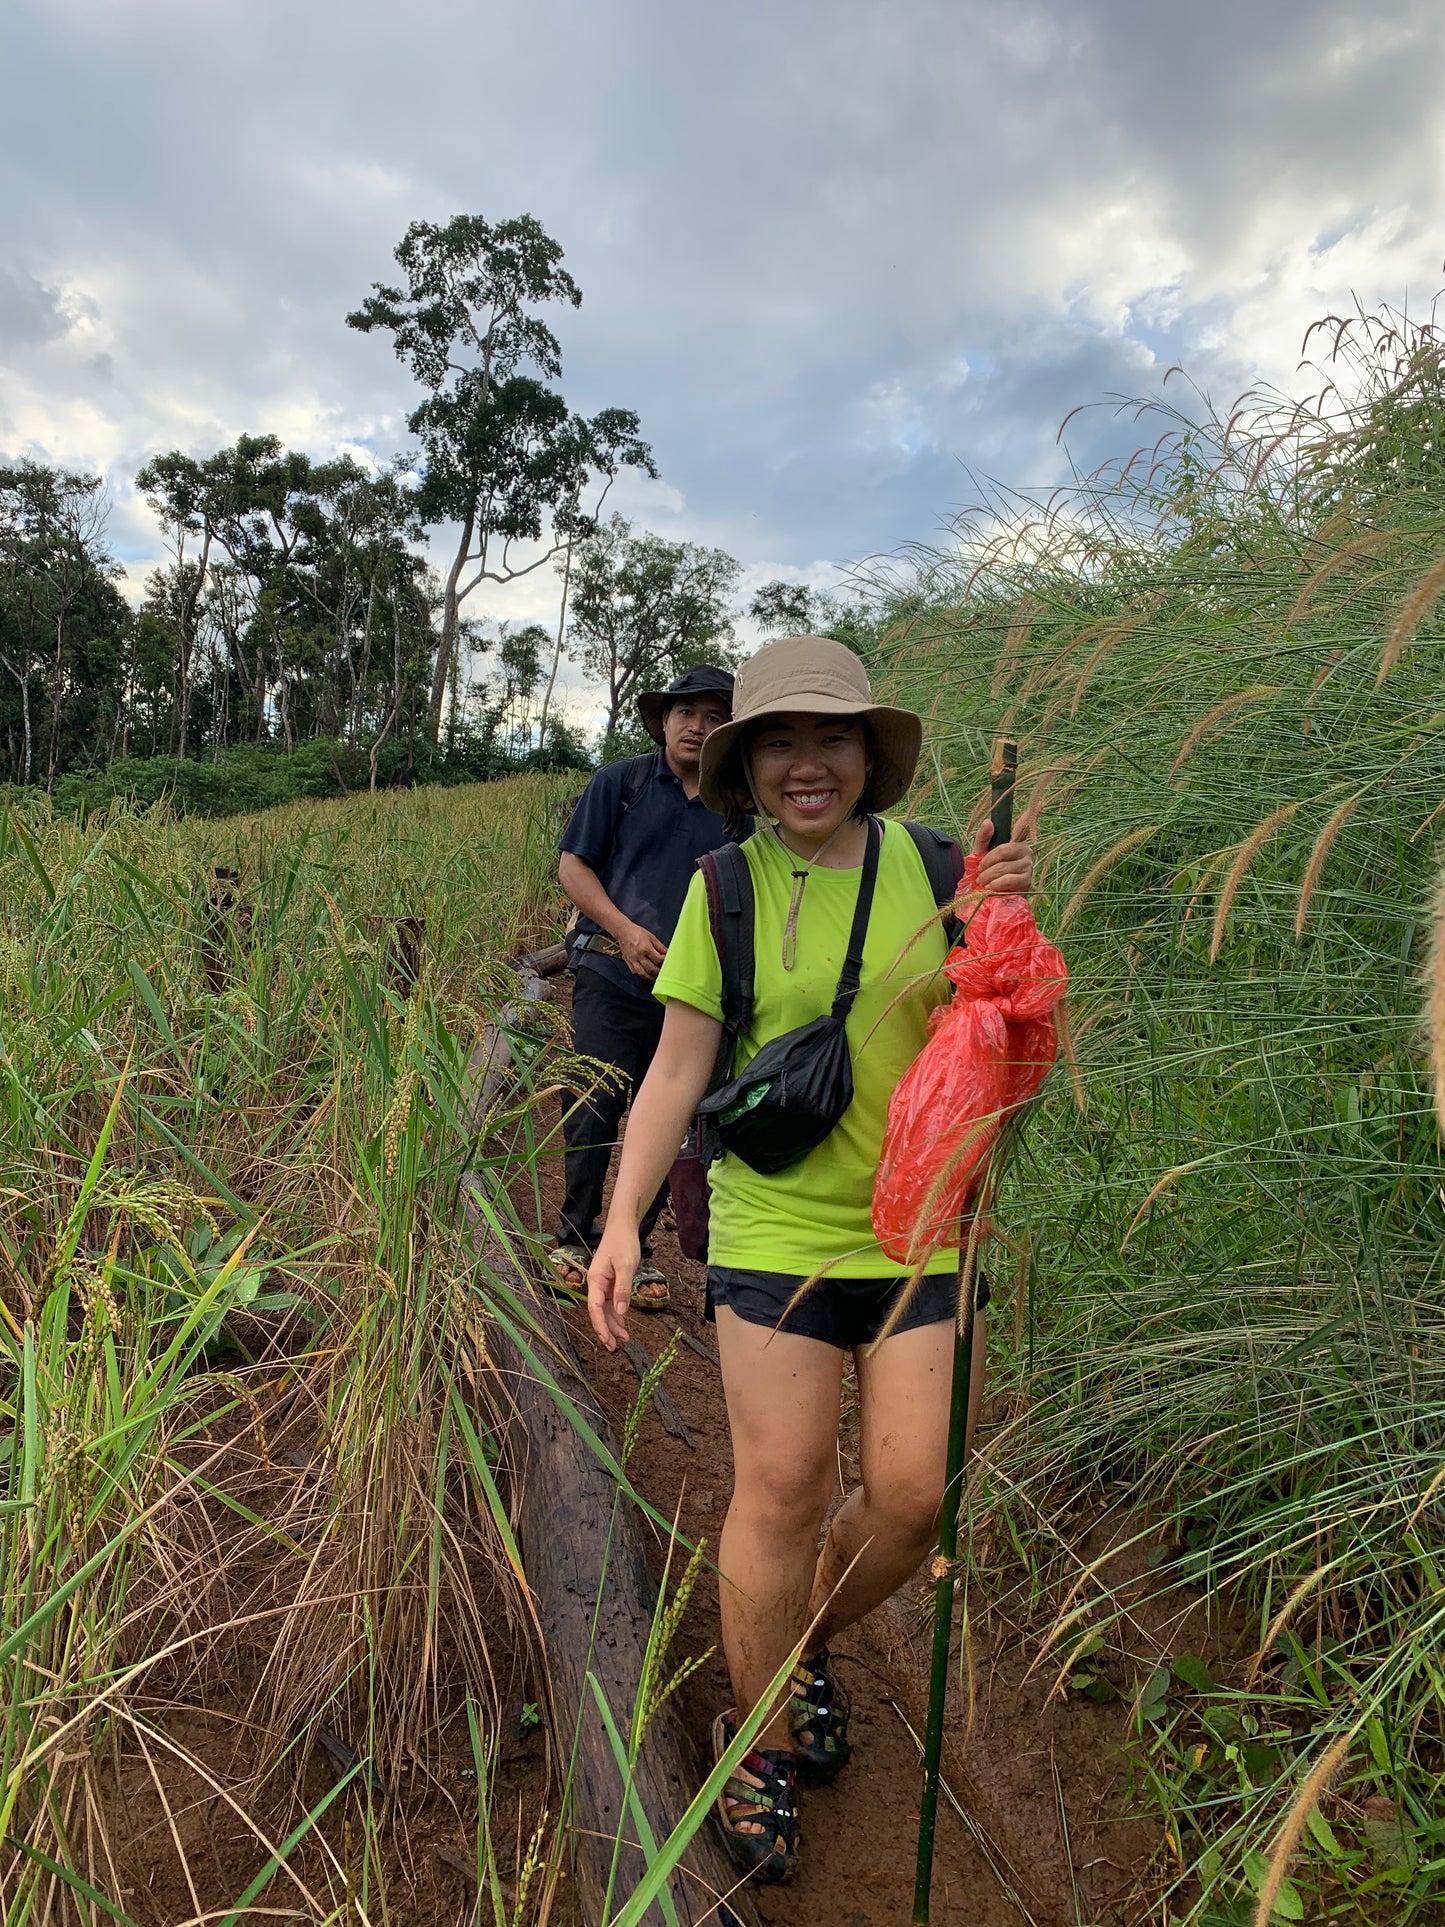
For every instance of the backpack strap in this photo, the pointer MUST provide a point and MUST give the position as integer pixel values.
(852, 973)
(636, 774)
(943, 861)
(635, 777)
(731, 912)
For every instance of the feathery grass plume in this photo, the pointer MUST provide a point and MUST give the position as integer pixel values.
(1310, 1583)
(1324, 843)
(1208, 870)
(1238, 869)
(1047, 672)
(1413, 610)
(1113, 635)
(1071, 1055)
(1288, 1838)
(1038, 795)
(1116, 852)
(1155, 1191)
(1370, 543)
(1015, 637)
(1228, 707)
(1435, 999)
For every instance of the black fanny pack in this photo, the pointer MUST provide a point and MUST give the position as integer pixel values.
(798, 1086)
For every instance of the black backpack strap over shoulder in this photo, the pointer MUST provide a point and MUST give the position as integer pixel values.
(852, 974)
(730, 909)
(943, 860)
(635, 778)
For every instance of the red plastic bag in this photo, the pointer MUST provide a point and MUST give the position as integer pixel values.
(987, 1053)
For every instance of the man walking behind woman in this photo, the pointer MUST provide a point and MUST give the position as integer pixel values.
(627, 857)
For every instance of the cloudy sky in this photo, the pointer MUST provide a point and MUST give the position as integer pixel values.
(837, 253)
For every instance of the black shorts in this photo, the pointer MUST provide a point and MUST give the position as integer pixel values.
(839, 1311)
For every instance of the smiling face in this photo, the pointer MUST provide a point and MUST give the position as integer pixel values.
(810, 771)
(686, 726)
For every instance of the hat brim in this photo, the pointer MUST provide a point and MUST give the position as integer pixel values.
(652, 707)
(897, 740)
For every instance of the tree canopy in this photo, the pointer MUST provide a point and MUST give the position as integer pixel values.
(644, 608)
(503, 460)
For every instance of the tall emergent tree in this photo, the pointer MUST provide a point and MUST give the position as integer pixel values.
(503, 460)
(644, 608)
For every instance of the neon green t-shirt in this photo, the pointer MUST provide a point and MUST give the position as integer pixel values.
(820, 1209)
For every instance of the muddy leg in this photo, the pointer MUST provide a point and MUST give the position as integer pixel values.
(783, 1396)
(886, 1526)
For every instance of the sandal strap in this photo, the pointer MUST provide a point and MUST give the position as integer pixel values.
(777, 1796)
(819, 1701)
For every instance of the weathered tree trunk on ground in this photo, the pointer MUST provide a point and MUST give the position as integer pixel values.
(594, 1598)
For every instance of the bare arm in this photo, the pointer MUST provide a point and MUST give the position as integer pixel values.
(661, 1112)
(641, 951)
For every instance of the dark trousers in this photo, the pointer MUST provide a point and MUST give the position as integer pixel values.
(621, 1030)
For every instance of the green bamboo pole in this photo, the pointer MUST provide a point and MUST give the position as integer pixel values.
(1005, 775)
(944, 1567)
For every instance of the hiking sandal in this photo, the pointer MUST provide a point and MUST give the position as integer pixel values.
(819, 1719)
(569, 1263)
(649, 1288)
(762, 1792)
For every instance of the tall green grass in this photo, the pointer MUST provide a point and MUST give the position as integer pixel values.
(249, 1482)
(1225, 664)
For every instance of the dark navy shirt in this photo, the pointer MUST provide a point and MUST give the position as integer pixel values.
(644, 858)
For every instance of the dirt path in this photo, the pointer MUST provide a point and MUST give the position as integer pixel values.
(1029, 1771)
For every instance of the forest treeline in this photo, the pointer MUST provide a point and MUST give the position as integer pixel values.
(310, 629)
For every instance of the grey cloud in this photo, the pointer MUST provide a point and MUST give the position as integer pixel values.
(29, 311)
(836, 254)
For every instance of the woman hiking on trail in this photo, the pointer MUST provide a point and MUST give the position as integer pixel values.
(813, 756)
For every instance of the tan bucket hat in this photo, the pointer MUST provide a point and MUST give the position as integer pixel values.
(816, 676)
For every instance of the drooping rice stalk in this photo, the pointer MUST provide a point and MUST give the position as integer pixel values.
(246, 1439)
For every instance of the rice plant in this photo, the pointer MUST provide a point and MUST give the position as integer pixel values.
(256, 1555)
(1224, 662)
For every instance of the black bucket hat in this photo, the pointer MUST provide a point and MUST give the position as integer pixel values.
(703, 680)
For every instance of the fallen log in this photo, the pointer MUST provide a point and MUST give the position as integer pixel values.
(592, 1593)
(549, 962)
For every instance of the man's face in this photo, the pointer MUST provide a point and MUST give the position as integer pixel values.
(686, 726)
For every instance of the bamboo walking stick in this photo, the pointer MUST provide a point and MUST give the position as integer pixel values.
(967, 1386)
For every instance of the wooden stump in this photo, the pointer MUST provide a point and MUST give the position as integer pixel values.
(405, 940)
(225, 927)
